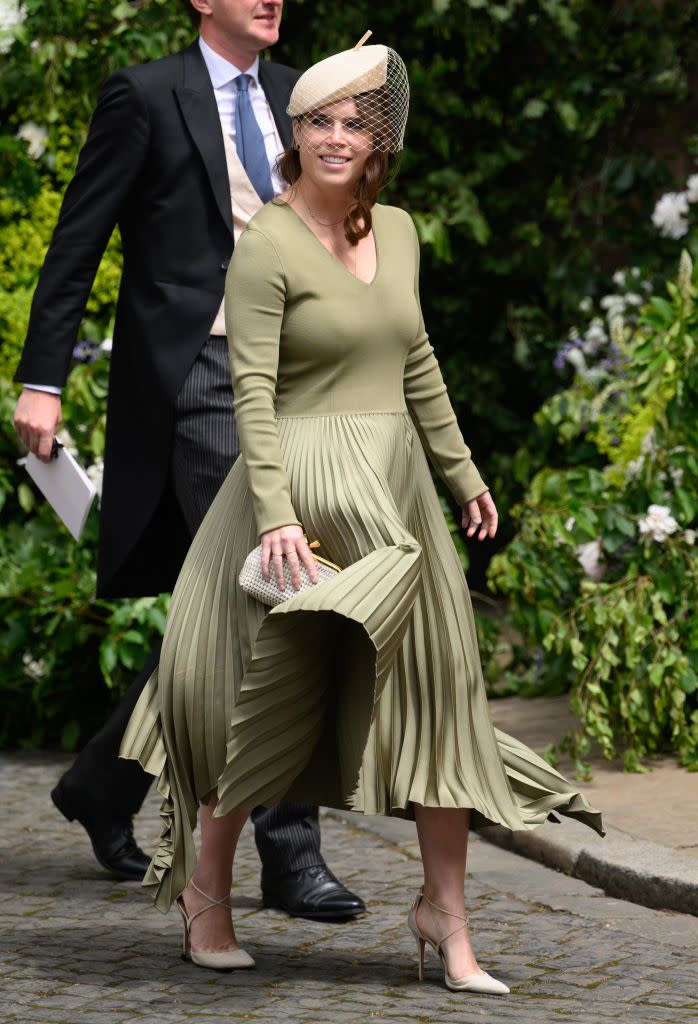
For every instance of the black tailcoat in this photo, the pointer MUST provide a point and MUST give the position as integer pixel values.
(153, 163)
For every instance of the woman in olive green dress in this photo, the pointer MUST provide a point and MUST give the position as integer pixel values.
(366, 690)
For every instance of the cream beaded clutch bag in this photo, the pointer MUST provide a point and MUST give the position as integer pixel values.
(266, 591)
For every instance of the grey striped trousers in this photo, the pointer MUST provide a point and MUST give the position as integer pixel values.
(205, 446)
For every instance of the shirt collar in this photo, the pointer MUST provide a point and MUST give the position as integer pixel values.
(221, 71)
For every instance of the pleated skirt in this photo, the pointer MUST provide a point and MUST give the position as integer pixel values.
(365, 692)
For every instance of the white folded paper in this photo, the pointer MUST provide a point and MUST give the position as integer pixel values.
(66, 486)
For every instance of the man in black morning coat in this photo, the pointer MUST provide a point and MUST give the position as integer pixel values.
(154, 163)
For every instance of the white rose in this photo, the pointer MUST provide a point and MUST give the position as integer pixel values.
(586, 305)
(569, 524)
(613, 302)
(619, 278)
(36, 670)
(106, 346)
(12, 14)
(689, 536)
(658, 523)
(37, 137)
(669, 214)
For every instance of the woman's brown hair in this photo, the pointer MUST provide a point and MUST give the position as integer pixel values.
(358, 221)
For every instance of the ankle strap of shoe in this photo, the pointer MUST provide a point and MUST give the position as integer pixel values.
(459, 917)
(224, 902)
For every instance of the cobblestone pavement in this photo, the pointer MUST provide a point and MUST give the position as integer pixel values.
(80, 947)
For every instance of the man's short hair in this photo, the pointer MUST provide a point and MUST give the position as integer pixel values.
(192, 13)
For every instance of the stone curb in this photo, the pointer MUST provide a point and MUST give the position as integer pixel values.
(623, 866)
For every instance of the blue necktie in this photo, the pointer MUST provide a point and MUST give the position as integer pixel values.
(249, 142)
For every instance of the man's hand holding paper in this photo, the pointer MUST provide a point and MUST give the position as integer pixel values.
(36, 419)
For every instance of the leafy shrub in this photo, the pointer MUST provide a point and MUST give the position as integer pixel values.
(25, 232)
(58, 644)
(602, 576)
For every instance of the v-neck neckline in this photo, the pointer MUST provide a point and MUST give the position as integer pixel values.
(331, 255)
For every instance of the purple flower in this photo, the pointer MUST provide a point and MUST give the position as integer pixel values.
(85, 351)
(560, 360)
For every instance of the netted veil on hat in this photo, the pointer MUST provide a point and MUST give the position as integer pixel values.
(375, 77)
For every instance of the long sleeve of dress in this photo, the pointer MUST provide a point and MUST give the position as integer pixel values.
(432, 413)
(255, 292)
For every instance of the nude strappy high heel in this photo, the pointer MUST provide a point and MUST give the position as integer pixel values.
(218, 960)
(482, 983)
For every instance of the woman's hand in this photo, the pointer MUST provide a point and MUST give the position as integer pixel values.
(287, 542)
(480, 514)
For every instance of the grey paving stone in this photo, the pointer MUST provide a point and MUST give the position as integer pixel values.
(79, 948)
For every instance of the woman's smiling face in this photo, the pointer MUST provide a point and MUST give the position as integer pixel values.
(334, 144)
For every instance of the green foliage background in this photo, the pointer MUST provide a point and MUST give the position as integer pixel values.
(540, 134)
(624, 631)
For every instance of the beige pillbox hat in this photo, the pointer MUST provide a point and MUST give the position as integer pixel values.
(344, 74)
(362, 71)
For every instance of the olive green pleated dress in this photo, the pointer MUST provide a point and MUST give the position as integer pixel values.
(365, 692)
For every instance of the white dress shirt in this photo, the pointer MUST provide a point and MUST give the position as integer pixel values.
(223, 75)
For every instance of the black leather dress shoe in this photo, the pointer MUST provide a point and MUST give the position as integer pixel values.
(311, 892)
(112, 841)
